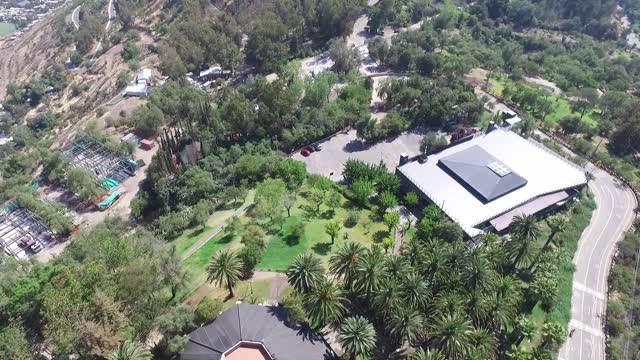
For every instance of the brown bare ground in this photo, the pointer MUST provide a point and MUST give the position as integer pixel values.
(30, 54)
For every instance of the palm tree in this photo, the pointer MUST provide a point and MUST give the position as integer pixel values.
(416, 290)
(504, 299)
(130, 350)
(325, 303)
(370, 271)
(483, 344)
(477, 273)
(225, 267)
(519, 250)
(357, 337)
(345, 260)
(388, 299)
(428, 354)
(406, 325)
(552, 334)
(557, 225)
(395, 266)
(305, 272)
(525, 227)
(451, 334)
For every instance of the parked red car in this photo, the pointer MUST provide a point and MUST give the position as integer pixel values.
(305, 152)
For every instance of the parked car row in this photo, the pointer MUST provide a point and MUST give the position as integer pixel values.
(311, 148)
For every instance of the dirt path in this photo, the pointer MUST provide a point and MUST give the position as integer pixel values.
(277, 284)
(215, 231)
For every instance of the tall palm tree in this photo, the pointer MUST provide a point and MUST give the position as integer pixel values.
(449, 303)
(525, 230)
(225, 268)
(526, 227)
(370, 271)
(130, 350)
(345, 261)
(357, 337)
(435, 266)
(451, 334)
(415, 289)
(428, 354)
(478, 274)
(519, 250)
(505, 297)
(388, 299)
(325, 303)
(395, 266)
(305, 272)
(406, 325)
(483, 344)
(557, 225)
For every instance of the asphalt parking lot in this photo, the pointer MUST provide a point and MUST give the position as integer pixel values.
(344, 146)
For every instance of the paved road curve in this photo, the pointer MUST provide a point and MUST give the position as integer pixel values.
(612, 217)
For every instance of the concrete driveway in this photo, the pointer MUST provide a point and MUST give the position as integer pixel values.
(613, 216)
(344, 146)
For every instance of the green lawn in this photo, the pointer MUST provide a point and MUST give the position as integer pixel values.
(282, 247)
(562, 108)
(6, 28)
(196, 264)
(192, 236)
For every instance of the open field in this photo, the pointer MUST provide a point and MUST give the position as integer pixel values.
(6, 28)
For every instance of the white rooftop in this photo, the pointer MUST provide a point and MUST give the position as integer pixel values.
(545, 172)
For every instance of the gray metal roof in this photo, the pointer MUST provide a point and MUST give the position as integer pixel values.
(481, 173)
(256, 324)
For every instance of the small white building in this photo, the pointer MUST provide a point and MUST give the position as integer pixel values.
(139, 89)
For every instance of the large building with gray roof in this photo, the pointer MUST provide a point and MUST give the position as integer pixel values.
(254, 332)
(485, 180)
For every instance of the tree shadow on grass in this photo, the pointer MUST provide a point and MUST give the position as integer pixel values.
(380, 235)
(291, 240)
(197, 232)
(226, 239)
(322, 248)
(328, 215)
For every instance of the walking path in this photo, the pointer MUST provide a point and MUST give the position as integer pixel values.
(111, 14)
(405, 217)
(216, 230)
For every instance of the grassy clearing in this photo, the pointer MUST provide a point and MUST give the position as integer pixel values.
(282, 247)
(218, 218)
(248, 292)
(562, 107)
(6, 28)
(196, 264)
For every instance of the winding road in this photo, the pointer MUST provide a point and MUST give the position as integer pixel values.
(75, 17)
(612, 217)
(111, 14)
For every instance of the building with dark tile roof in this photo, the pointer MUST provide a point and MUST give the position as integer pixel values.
(254, 332)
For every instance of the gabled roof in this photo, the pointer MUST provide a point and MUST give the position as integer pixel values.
(256, 324)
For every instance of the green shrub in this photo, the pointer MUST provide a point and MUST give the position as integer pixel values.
(208, 310)
(352, 218)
